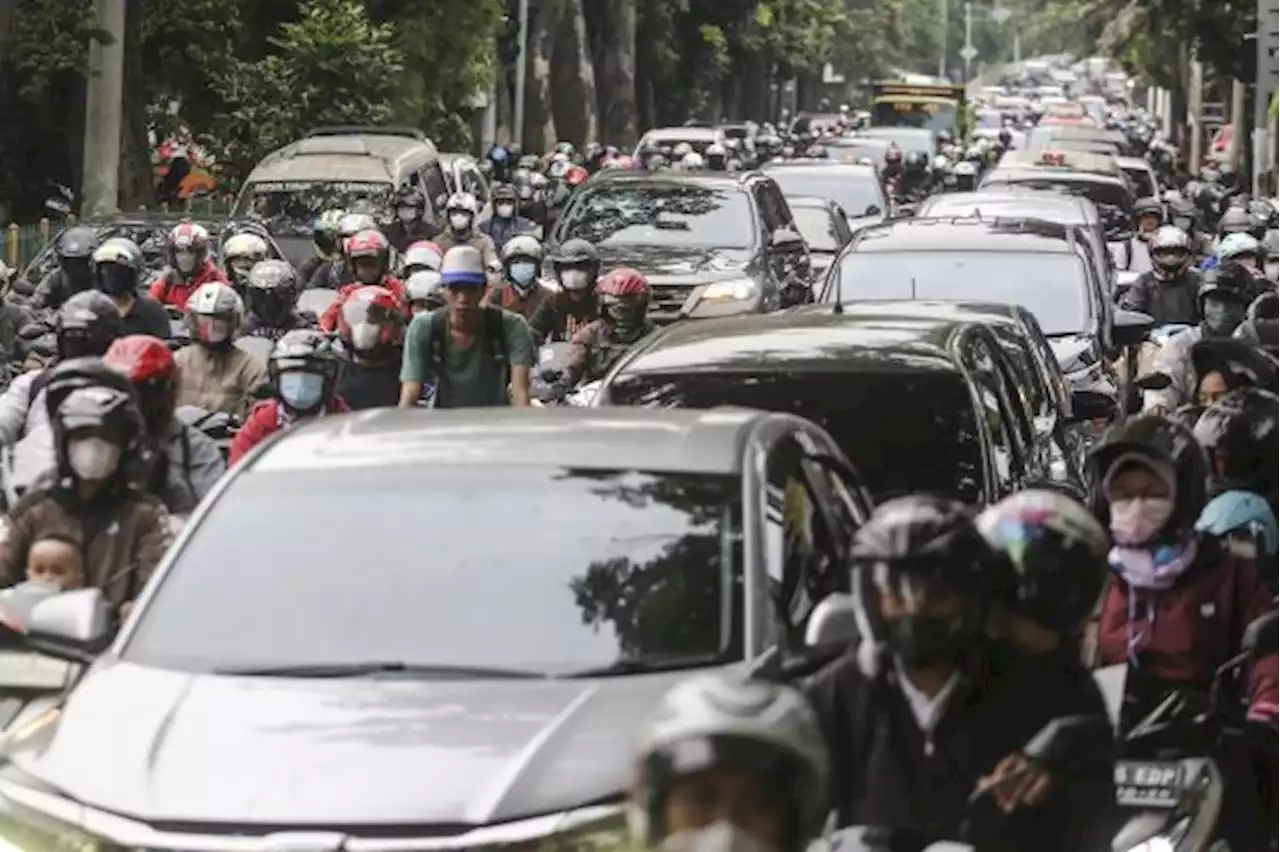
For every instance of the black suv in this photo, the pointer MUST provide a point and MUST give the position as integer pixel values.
(711, 244)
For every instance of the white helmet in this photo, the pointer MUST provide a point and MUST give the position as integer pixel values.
(1234, 245)
(241, 251)
(1170, 238)
(423, 254)
(422, 286)
(522, 245)
(964, 168)
(462, 202)
(215, 313)
(692, 161)
(353, 223)
(721, 719)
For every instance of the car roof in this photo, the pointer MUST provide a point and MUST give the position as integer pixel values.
(670, 177)
(1068, 131)
(964, 233)
(1035, 204)
(834, 168)
(990, 313)
(1074, 161)
(673, 440)
(681, 134)
(813, 338)
(354, 156)
(1013, 174)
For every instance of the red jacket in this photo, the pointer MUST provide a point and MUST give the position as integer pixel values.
(171, 289)
(264, 420)
(1198, 624)
(329, 319)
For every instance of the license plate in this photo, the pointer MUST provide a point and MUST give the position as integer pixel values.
(1148, 783)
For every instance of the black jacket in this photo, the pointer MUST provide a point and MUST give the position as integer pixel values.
(1174, 301)
(370, 385)
(148, 317)
(402, 237)
(887, 772)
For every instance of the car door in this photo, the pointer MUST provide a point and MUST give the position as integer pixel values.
(1007, 451)
(793, 262)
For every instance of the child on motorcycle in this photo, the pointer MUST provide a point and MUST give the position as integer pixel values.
(55, 558)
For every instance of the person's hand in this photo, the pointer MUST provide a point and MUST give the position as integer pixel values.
(1157, 411)
(1016, 782)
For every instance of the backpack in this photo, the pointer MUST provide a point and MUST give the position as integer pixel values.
(494, 332)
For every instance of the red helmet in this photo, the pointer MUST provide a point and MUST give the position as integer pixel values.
(575, 176)
(148, 363)
(623, 281)
(367, 244)
(371, 319)
(624, 298)
(187, 246)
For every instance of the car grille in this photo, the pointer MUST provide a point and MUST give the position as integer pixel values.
(667, 301)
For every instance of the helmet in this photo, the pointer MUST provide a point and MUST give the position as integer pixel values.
(1235, 220)
(371, 321)
(624, 298)
(1239, 435)
(711, 720)
(271, 291)
(1237, 244)
(214, 313)
(423, 254)
(353, 223)
(1170, 250)
(1163, 443)
(462, 202)
(1148, 207)
(148, 363)
(504, 192)
(576, 176)
(77, 243)
(86, 324)
(1261, 325)
(522, 245)
(574, 256)
(326, 230)
(916, 161)
(241, 252)
(893, 154)
(117, 266)
(422, 290)
(692, 161)
(368, 244)
(1056, 553)
(1230, 281)
(187, 247)
(305, 352)
(109, 412)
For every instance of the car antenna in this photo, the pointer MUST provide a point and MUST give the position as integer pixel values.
(913, 288)
(838, 308)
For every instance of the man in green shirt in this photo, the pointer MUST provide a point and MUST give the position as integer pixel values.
(473, 352)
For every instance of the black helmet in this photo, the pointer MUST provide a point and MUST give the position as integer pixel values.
(1240, 363)
(78, 243)
(1148, 207)
(86, 324)
(1231, 280)
(504, 192)
(1235, 221)
(271, 290)
(1261, 326)
(1239, 434)
(576, 252)
(1055, 553)
(1163, 442)
(86, 393)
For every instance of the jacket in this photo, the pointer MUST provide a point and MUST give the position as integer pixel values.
(329, 319)
(509, 299)
(218, 380)
(52, 291)
(1184, 633)
(1173, 301)
(894, 775)
(478, 240)
(123, 538)
(147, 316)
(192, 465)
(402, 237)
(362, 386)
(501, 230)
(1174, 360)
(558, 317)
(25, 431)
(326, 275)
(170, 288)
(264, 420)
(594, 349)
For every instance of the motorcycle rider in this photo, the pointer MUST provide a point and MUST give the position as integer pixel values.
(576, 266)
(371, 326)
(325, 240)
(623, 295)
(117, 272)
(966, 176)
(74, 272)
(728, 764)
(240, 253)
(368, 258)
(1223, 295)
(303, 367)
(521, 289)
(1238, 435)
(914, 706)
(506, 223)
(1168, 292)
(271, 290)
(1148, 217)
(190, 266)
(214, 374)
(186, 462)
(411, 223)
(91, 499)
(335, 276)
(915, 175)
(462, 210)
(1261, 326)
(424, 292)
(86, 324)
(1249, 253)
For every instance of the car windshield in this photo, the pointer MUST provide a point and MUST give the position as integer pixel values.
(1112, 199)
(662, 214)
(931, 115)
(1052, 286)
(1143, 185)
(533, 568)
(853, 150)
(817, 228)
(854, 190)
(699, 143)
(291, 207)
(907, 138)
(930, 422)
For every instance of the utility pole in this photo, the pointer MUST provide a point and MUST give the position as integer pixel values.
(944, 11)
(1268, 46)
(104, 107)
(1195, 107)
(522, 62)
(1235, 154)
(969, 52)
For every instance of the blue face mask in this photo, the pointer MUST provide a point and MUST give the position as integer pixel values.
(523, 273)
(302, 391)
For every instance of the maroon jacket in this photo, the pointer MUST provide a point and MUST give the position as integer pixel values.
(1198, 624)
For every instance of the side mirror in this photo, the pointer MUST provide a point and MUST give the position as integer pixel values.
(33, 331)
(1154, 381)
(833, 620)
(1260, 636)
(1066, 737)
(1130, 328)
(872, 210)
(73, 626)
(1119, 234)
(1089, 405)
(786, 240)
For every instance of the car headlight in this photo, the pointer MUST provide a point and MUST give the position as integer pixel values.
(739, 289)
(602, 835)
(27, 833)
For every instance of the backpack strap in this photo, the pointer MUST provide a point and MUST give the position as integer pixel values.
(186, 460)
(496, 330)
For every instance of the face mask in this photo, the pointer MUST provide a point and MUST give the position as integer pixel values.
(459, 221)
(212, 330)
(717, 837)
(919, 641)
(93, 459)
(302, 391)
(78, 271)
(185, 261)
(575, 279)
(522, 273)
(504, 211)
(365, 336)
(1221, 316)
(240, 267)
(1135, 522)
(407, 214)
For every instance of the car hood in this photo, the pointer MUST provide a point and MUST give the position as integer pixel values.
(663, 264)
(168, 746)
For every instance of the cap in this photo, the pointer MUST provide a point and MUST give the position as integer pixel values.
(463, 265)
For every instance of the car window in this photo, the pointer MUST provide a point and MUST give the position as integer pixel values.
(661, 213)
(290, 207)
(770, 210)
(996, 410)
(1028, 382)
(591, 567)
(855, 190)
(1143, 185)
(819, 229)
(437, 190)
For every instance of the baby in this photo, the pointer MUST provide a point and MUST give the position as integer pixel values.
(57, 560)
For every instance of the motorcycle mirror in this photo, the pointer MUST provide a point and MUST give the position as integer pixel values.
(834, 620)
(1066, 737)
(1260, 636)
(1130, 328)
(1154, 381)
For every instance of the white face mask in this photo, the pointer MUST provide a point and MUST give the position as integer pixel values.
(365, 336)
(408, 214)
(504, 211)
(717, 837)
(460, 221)
(575, 279)
(93, 459)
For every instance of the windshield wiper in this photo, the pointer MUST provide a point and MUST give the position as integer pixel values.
(650, 665)
(375, 667)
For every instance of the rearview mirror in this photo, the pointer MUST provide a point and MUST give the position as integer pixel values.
(786, 240)
(1130, 328)
(1260, 636)
(1066, 737)
(73, 626)
(1119, 234)
(1089, 405)
(1154, 381)
(872, 210)
(833, 620)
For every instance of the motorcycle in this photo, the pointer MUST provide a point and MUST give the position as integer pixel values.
(553, 360)
(219, 426)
